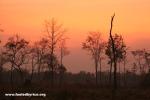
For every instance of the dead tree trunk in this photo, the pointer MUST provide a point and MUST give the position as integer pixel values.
(114, 61)
(114, 54)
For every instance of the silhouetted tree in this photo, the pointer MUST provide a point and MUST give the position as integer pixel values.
(16, 53)
(147, 58)
(3, 61)
(113, 59)
(40, 49)
(54, 34)
(139, 56)
(52, 70)
(100, 64)
(124, 66)
(33, 61)
(94, 45)
(63, 52)
(120, 50)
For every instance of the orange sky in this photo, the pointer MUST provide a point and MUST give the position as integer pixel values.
(78, 16)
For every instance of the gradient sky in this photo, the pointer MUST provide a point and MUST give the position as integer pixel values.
(26, 17)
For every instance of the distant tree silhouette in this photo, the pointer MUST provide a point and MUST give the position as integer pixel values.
(94, 45)
(33, 64)
(124, 60)
(100, 65)
(2, 58)
(138, 56)
(16, 53)
(52, 70)
(3, 61)
(39, 51)
(142, 60)
(54, 32)
(147, 58)
(63, 52)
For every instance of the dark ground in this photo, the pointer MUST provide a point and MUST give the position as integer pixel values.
(75, 92)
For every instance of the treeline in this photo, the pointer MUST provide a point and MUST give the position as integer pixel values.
(47, 54)
(81, 79)
(43, 60)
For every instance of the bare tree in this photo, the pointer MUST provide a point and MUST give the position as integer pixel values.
(16, 53)
(33, 64)
(147, 58)
(94, 45)
(142, 59)
(124, 67)
(40, 50)
(113, 53)
(115, 50)
(3, 61)
(139, 61)
(54, 32)
(100, 64)
(63, 52)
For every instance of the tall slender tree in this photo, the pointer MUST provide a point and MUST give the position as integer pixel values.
(94, 44)
(55, 32)
(40, 49)
(63, 52)
(120, 50)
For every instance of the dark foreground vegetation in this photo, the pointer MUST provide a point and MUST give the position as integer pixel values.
(79, 92)
(80, 86)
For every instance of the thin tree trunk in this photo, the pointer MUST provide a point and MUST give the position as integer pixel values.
(52, 54)
(100, 65)
(61, 64)
(114, 61)
(11, 76)
(110, 73)
(114, 55)
(21, 75)
(96, 66)
(119, 75)
(32, 70)
(39, 70)
(124, 65)
(115, 75)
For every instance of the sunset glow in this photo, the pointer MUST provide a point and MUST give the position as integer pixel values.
(26, 17)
